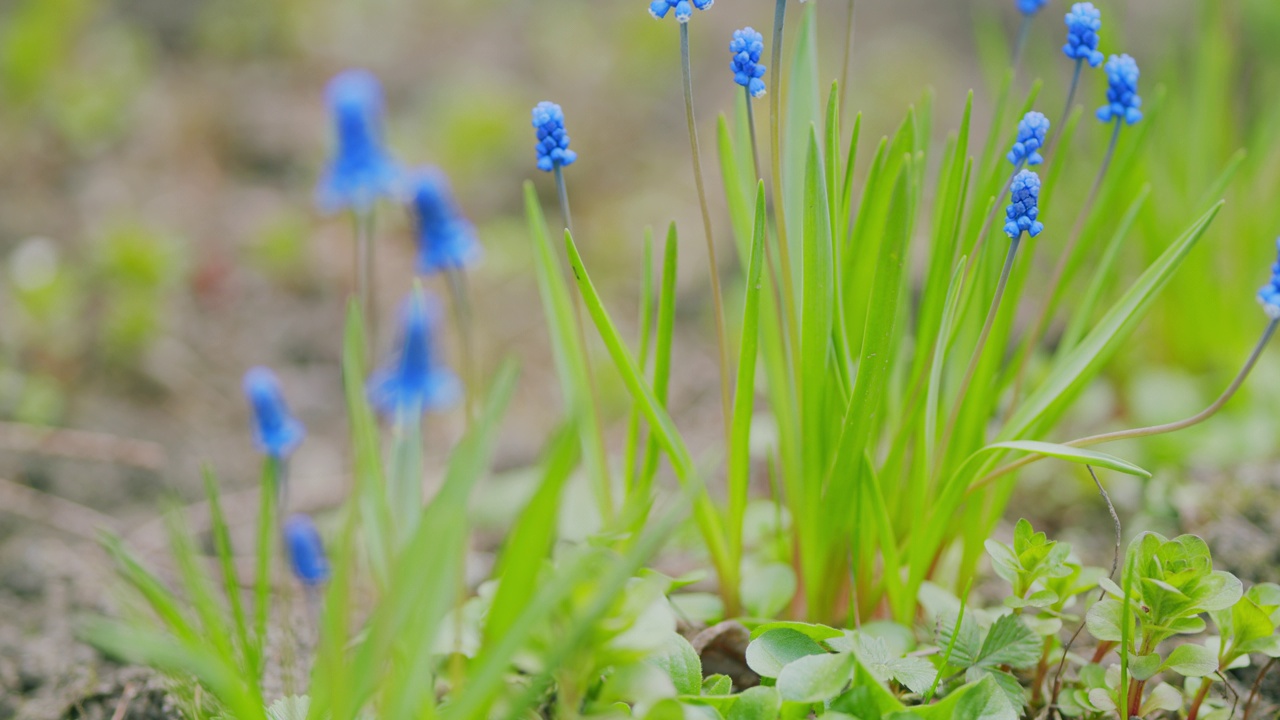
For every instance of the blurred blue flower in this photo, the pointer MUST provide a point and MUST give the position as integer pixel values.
(1083, 23)
(1025, 206)
(446, 239)
(306, 550)
(1123, 102)
(361, 170)
(276, 433)
(683, 8)
(1269, 295)
(413, 382)
(746, 46)
(1031, 7)
(1026, 147)
(553, 141)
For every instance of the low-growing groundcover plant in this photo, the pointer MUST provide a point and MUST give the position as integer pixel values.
(875, 374)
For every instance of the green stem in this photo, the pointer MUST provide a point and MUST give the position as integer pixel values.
(751, 132)
(364, 262)
(406, 477)
(848, 55)
(1150, 430)
(1060, 269)
(775, 162)
(982, 342)
(604, 490)
(1024, 30)
(272, 481)
(717, 302)
(461, 296)
(1056, 131)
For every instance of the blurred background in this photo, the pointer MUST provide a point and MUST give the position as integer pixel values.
(158, 237)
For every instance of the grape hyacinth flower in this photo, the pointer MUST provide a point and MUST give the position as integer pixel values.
(276, 433)
(414, 382)
(1031, 7)
(361, 170)
(1123, 102)
(305, 550)
(553, 142)
(1024, 208)
(746, 46)
(446, 239)
(683, 8)
(1269, 295)
(1083, 23)
(1031, 132)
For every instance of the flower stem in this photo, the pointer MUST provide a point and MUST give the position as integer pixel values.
(716, 300)
(364, 262)
(1056, 131)
(272, 480)
(775, 163)
(1060, 270)
(1020, 43)
(461, 296)
(1148, 431)
(848, 55)
(604, 494)
(406, 475)
(982, 342)
(751, 131)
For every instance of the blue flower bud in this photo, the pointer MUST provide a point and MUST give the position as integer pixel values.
(1123, 102)
(553, 142)
(683, 8)
(1083, 23)
(276, 433)
(414, 382)
(1269, 295)
(746, 46)
(1023, 210)
(1031, 7)
(306, 551)
(446, 240)
(1031, 131)
(361, 170)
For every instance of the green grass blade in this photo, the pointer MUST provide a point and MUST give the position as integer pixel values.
(1078, 366)
(370, 484)
(530, 540)
(646, 329)
(227, 566)
(1080, 456)
(739, 463)
(663, 427)
(1082, 314)
(570, 354)
(661, 361)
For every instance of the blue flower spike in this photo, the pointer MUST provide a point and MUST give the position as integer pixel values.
(747, 46)
(306, 551)
(1269, 295)
(683, 8)
(1083, 23)
(1123, 102)
(553, 141)
(361, 170)
(414, 381)
(276, 433)
(1031, 7)
(446, 239)
(1025, 206)
(1031, 132)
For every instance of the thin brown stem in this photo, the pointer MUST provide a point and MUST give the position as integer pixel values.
(726, 394)
(1256, 687)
